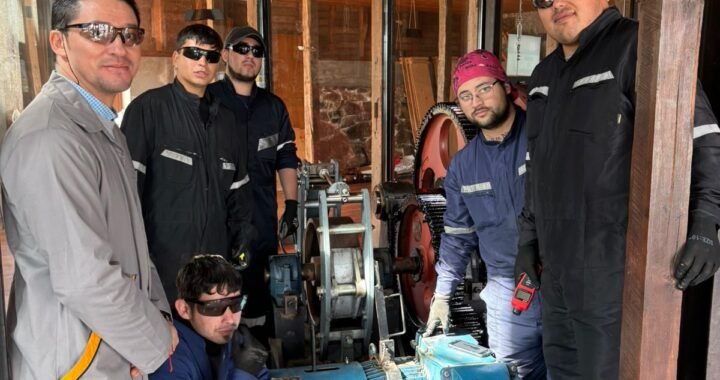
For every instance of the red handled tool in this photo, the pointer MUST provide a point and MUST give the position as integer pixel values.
(523, 294)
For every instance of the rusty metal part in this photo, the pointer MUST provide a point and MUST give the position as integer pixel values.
(444, 131)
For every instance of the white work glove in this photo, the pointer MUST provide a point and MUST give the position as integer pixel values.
(439, 315)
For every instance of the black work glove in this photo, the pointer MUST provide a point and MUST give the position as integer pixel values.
(248, 353)
(240, 255)
(289, 221)
(700, 258)
(528, 261)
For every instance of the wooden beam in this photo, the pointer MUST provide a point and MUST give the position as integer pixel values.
(667, 64)
(473, 20)
(11, 30)
(376, 43)
(157, 24)
(43, 10)
(252, 13)
(310, 44)
(443, 67)
(11, 102)
(32, 49)
(713, 357)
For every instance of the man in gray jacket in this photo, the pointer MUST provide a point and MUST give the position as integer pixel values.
(86, 299)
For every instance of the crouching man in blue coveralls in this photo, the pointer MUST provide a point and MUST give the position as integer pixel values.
(485, 187)
(211, 346)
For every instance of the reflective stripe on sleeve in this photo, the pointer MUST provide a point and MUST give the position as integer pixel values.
(702, 130)
(267, 142)
(228, 166)
(539, 90)
(592, 79)
(240, 183)
(139, 167)
(283, 144)
(527, 156)
(187, 160)
(522, 170)
(459, 230)
(477, 187)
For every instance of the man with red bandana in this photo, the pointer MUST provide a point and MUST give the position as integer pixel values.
(580, 122)
(484, 188)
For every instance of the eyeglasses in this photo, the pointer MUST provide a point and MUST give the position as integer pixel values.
(105, 34)
(216, 308)
(242, 49)
(542, 4)
(195, 53)
(481, 91)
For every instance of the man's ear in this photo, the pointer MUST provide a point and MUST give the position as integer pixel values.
(224, 53)
(508, 88)
(57, 43)
(182, 308)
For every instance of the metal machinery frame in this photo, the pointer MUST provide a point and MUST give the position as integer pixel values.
(346, 274)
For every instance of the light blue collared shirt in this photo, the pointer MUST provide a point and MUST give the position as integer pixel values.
(99, 107)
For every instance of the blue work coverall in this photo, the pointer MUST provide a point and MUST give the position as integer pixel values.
(485, 187)
(190, 361)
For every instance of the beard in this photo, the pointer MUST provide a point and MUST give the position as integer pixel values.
(239, 76)
(496, 117)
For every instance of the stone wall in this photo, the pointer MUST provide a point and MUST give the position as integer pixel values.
(343, 127)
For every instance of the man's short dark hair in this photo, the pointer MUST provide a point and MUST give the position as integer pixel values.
(201, 34)
(64, 11)
(205, 272)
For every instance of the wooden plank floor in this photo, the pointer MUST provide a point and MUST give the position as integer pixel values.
(8, 267)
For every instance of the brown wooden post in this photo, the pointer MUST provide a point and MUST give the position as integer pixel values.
(157, 24)
(667, 64)
(376, 90)
(310, 44)
(473, 19)
(252, 14)
(11, 101)
(32, 48)
(443, 66)
(11, 30)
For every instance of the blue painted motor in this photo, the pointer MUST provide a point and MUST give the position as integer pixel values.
(455, 357)
(441, 357)
(285, 277)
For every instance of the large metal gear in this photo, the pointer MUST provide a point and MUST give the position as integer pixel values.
(417, 227)
(445, 130)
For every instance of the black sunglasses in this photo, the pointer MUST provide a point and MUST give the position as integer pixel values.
(242, 48)
(542, 4)
(103, 33)
(195, 53)
(216, 308)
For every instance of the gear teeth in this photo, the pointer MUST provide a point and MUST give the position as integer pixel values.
(462, 315)
(452, 111)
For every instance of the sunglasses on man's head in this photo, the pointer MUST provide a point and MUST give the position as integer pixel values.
(241, 48)
(542, 4)
(216, 308)
(103, 33)
(195, 53)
